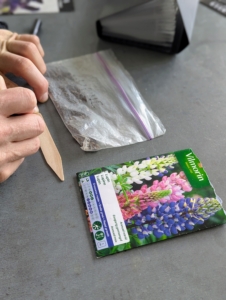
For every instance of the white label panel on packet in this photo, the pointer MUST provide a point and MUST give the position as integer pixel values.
(105, 215)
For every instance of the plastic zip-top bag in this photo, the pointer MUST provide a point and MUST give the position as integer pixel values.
(99, 102)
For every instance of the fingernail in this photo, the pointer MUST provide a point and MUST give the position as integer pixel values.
(35, 110)
(44, 97)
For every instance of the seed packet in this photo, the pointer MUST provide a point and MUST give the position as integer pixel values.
(141, 202)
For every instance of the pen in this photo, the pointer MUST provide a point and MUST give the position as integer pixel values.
(37, 26)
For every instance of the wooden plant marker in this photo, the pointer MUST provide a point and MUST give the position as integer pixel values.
(48, 147)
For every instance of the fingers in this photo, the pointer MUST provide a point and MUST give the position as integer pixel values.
(8, 169)
(23, 67)
(12, 156)
(20, 128)
(2, 84)
(32, 39)
(22, 55)
(18, 139)
(28, 50)
(16, 100)
(17, 150)
(5, 34)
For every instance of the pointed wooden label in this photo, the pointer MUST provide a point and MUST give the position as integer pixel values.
(48, 147)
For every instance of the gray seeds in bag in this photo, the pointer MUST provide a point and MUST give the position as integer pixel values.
(99, 103)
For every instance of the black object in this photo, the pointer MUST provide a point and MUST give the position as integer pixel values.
(3, 25)
(66, 5)
(108, 27)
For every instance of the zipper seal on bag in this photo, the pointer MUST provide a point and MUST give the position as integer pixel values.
(125, 97)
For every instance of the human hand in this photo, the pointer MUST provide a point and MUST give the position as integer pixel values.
(19, 129)
(22, 55)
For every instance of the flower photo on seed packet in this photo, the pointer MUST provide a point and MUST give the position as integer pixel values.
(157, 200)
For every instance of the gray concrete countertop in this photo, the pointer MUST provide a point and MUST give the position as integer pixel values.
(46, 251)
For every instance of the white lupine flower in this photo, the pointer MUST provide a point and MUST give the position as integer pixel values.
(141, 171)
(124, 168)
(142, 166)
(155, 172)
(153, 160)
(137, 180)
(118, 186)
(119, 171)
(114, 176)
(134, 174)
(145, 173)
(148, 173)
(129, 180)
(146, 161)
(152, 166)
(131, 168)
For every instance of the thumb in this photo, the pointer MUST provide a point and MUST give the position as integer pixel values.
(2, 83)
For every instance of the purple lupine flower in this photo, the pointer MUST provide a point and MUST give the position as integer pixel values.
(172, 218)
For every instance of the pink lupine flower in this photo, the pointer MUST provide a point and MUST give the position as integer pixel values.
(169, 189)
